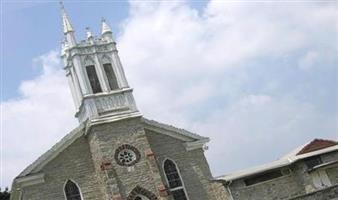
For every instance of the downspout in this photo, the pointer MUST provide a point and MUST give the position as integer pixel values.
(229, 190)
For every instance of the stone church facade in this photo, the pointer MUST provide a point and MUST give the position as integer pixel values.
(115, 153)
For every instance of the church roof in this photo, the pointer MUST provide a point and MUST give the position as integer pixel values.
(54, 151)
(166, 129)
(174, 131)
(316, 147)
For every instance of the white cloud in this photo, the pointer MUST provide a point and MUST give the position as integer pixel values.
(308, 60)
(196, 70)
(199, 70)
(37, 119)
(259, 128)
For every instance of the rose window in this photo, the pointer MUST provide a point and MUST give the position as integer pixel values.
(127, 155)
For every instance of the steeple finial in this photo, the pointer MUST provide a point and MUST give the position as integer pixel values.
(89, 33)
(105, 27)
(67, 26)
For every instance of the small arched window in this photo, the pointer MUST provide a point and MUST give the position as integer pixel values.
(174, 180)
(72, 191)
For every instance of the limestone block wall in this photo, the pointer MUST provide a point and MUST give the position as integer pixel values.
(73, 163)
(332, 173)
(119, 181)
(192, 165)
(330, 193)
(280, 188)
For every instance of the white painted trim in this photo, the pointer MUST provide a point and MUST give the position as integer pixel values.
(77, 185)
(112, 118)
(168, 133)
(107, 93)
(31, 180)
(172, 131)
(179, 173)
(189, 146)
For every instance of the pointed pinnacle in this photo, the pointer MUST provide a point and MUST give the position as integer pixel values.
(105, 27)
(67, 26)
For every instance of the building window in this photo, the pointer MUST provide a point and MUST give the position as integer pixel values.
(263, 177)
(72, 191)
(111, 76)
(93, 79)
(174, 180)
(313, 161)
(127, 155)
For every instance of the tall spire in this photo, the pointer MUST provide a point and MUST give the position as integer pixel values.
(67, 26)
(105, 27)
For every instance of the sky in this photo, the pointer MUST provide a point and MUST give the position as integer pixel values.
(258, 78)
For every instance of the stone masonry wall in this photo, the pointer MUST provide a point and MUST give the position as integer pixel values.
(299, 182)
(119, 180)
(268, 190)
(73, 163)
(330, 193)
(192, 165)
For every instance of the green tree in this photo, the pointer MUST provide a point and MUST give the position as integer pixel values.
(4, 195)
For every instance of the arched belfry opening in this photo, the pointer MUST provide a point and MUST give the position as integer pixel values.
(72, 191)
(139, 193)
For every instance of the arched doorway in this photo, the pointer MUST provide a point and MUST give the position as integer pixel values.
(139, 193)
(141, 197)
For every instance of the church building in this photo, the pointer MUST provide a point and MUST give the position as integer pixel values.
(115, 153)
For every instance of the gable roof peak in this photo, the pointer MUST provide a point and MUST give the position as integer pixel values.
(317, 144)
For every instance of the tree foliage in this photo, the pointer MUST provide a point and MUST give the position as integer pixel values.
(4, 195)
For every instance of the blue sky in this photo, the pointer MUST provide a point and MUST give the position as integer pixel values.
(251, 76)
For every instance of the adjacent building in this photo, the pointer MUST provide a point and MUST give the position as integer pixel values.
(309, 172)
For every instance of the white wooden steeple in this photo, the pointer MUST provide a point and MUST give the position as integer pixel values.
(95, 74)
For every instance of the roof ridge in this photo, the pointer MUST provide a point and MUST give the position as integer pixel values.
(317, 144)
(173, 128)
(50, 151)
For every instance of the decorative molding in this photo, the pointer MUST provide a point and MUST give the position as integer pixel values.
(88, 60)
(196, 145)
(141, 191)
(105, 58)
(172, 131)
(31, 180)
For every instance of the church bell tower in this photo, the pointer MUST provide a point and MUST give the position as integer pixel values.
(95, 74)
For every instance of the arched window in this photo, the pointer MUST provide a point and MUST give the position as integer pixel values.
(72, 191)
(111, 77)
(93, 79)
(174, 180)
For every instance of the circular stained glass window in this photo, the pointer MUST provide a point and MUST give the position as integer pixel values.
(127, 155)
